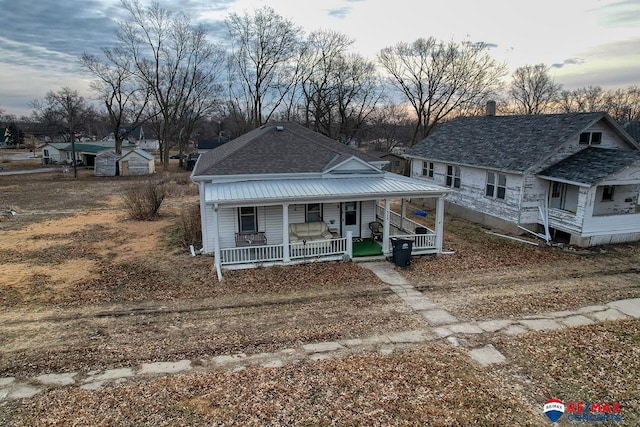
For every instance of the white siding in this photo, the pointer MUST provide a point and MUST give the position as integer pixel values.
(228, 223)
(270, 221)
(367, 215)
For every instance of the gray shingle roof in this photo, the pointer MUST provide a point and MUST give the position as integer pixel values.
(283, 147)
(510, 143)
(633, 128)
(602, 162)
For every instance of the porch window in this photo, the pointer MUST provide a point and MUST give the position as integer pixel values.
(496, 185)
(248, 220)
(607, 193)
(453, 176)
(590, 138)
(314, 212)
(427, 169)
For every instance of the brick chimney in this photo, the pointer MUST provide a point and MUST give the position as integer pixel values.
(491, 108)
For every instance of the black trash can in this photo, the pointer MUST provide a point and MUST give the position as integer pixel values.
(421, 230)
(401, 251)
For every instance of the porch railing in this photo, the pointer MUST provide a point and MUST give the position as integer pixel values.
(275, 253)
(422, 243)
(318, 248)
(251, 254)
(396, 220)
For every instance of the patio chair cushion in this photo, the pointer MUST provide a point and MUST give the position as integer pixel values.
(309, 231)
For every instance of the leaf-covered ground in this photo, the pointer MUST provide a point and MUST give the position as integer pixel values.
(82, 288)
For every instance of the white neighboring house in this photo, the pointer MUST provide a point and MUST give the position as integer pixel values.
(275, 194)
(565, 175)
(86, 152)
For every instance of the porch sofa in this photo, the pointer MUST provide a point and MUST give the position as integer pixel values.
(309, 231)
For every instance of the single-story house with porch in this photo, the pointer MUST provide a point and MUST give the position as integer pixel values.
(282, 194)
(86, 152)
(571, 176)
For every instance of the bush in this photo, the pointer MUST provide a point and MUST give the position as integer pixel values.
(143, 201)
(191, 226)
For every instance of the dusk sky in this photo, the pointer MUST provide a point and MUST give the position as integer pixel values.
(586, 42)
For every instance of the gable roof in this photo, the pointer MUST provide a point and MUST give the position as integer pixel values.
(276, 148)
(509, 143)
(602, 162)
(140, 152)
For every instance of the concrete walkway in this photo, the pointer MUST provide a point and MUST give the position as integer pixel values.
(442, 325)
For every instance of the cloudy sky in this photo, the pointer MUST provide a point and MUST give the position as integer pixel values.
(587, 42)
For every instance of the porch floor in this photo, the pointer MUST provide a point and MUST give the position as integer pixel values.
(366, 248)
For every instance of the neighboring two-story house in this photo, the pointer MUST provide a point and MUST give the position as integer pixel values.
(575, 176)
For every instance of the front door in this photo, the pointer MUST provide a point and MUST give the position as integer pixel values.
(351, 218)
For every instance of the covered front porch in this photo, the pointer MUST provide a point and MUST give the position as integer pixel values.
(269, 230)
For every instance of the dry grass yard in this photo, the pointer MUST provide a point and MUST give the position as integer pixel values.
(83, 288)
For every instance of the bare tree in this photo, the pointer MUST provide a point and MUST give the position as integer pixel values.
(66, 111)
(533, 89)
(387, 124)
(176, 61)
(124, 96)
(264, 66)
(581, 100)
(624, 104)
(439, 78)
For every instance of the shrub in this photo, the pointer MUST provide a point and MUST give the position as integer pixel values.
(143, 201)
(191, 226)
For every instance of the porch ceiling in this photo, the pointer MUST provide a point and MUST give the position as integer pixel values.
(279, 191)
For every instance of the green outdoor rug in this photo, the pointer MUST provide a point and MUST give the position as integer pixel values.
(366, 248)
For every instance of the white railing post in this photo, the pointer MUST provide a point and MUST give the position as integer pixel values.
(439, 228)
(286, 257)
(350, 244)
(216, 242)
(385, 226)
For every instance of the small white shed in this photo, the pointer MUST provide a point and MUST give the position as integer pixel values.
(106, 163)
(137, 162)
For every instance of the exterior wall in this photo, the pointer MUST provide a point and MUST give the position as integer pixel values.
(470, 197)
(625, 201)
(54, 156)
(270, 222)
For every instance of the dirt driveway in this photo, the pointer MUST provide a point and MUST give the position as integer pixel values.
(84, 288)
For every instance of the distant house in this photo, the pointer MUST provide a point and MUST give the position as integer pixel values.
(397, 164)
(284, 194)
(137, 162)
(138, 137)
(62, 153)
(4, 135)
(575, 176)
(209, 144)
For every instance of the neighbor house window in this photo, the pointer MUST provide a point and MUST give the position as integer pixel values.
(496, 185)
(590, 138)
(607, 193)
(453, 176)
(314, 212)
(46, 152)
(248, 220)
(427, 169)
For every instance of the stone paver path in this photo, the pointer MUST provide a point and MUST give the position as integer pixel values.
(442, 325)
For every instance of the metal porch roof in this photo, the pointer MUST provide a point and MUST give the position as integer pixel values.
(278, 191)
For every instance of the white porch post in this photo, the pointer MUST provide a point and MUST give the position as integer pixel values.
(350, 244)
(286, 257)
(385, 226)
(203, 216)
(216, 242)
(439, 223)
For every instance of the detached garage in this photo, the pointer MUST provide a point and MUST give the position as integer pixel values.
(137, 162)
